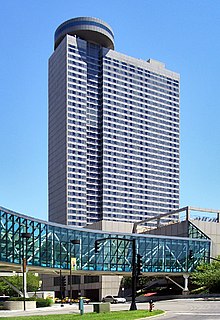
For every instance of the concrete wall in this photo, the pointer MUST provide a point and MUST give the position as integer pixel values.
(57, 136)
(19, 305)
(107, 285)
(112, 226)
(110, 285)
(212, 230)
(175, 229)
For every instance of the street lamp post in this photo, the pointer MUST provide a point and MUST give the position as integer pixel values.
(74, 241)
(134, 277)
(25, 236)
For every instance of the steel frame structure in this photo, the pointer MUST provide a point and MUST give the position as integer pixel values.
(50, 247)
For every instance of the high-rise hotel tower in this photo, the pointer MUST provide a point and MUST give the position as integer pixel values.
(113, 130)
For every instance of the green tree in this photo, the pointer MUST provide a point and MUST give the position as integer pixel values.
(17, 281)
(3, 288)
(141, 282)
(207, 277)
(33, 282)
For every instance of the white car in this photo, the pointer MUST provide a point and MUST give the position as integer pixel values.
(113, 299)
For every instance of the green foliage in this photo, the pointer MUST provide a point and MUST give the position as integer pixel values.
(17, 281)
(33, 282)
(43, 302)
(3, 288)
(142, 281)
(126, 282)
(207, 276)
(21, 299)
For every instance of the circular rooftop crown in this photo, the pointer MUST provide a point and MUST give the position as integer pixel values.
(87, 28)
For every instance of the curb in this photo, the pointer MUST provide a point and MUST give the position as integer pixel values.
(156, 315)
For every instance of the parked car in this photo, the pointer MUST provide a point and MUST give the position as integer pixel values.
(113, 299)
(68, 300)
(85, 300)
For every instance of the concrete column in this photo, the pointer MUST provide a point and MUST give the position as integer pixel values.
(25, 284)
(186, 281)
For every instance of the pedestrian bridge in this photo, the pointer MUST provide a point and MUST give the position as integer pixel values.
(51, 247)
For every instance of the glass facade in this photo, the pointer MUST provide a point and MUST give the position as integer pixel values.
(50, 246)
(194, 232)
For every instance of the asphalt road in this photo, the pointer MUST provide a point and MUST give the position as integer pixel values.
(188, 309)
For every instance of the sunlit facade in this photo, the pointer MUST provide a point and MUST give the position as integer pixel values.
(113, 130)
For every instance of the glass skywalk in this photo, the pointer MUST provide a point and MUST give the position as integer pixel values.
(50, 247)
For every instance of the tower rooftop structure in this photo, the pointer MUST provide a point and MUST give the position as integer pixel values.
(87, 28)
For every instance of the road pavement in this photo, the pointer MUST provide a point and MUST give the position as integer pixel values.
(189, 309)
(181, 309)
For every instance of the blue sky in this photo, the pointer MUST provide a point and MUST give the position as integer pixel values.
(183, 34)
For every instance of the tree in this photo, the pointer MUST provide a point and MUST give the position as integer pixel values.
(207, 277)
(141, 282)
(32, 284)
(3, 288)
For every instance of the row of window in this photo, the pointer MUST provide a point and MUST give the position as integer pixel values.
(155, 85)
(137, 99)
(146, 110)
(160, 186)
(143, 130)
(137, 185)
(153, 75)
(140, 117)
(128, 157)
(157, 143)
(138, 141)
(137, 207)
(142, 168)
(95, 178)
(109, 161)
(139, 172)
(138, 194)
(123, 153)
(134, 178)
(163, 135)
(132, 94)
(115, 204)
(148, 189)
(133, 198)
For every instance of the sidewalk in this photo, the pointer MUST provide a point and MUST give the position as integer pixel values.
(54, 309)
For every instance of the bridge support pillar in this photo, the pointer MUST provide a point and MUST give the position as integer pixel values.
(186, 282)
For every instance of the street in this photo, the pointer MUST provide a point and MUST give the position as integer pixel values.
(189, 309)
(181, 309)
